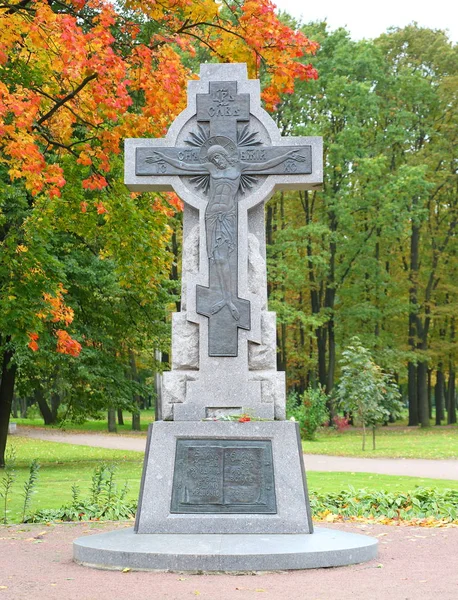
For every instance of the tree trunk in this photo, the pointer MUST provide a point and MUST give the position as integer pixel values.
(439, 394)
(364, 436)
(120, 417)
(112, 421)
(158, 388)
(137, 399)
(23, 403)
(414, 400)
(430, 395)
(46, 412)
(55, 403)
(412, 394)
(6, 399)
(136, 425)
(321, 347)
(14, 407)
(281, 354)
(373, 438)
(422, 390)
(451, 400)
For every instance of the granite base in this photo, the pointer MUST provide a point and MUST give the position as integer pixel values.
(122, 548)
(292, 513)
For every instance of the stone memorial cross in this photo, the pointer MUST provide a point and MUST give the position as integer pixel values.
(224, 157)
(241, 480)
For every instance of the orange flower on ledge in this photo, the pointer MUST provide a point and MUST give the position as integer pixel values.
(244, 419)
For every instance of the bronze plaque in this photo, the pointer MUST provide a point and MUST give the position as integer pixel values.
(223, 476)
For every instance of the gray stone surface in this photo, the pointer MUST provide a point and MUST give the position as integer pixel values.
(185, 343)
(223, 380)
(225, 552)
(293, 510)
(263, 356)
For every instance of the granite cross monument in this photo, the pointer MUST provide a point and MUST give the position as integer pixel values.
(243, 482)
(224, 157)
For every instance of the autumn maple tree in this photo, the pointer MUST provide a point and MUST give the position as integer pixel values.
(76, 79)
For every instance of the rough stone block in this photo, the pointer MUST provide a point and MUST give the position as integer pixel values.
(230, 392)
(263, 356)
(173, 391)
(185, 343)
(272, 391)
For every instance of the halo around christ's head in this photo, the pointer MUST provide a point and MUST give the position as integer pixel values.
(217, 144)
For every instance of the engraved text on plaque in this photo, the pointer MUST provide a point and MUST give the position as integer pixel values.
(223, 476)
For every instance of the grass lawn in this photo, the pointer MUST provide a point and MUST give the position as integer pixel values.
(63, 465)
(391, 442)
(98, 425)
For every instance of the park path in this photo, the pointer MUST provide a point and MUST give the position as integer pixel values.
(413, 563)
(434, 469)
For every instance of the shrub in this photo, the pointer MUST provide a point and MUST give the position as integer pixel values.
(309, 410)
(340, 423)
(421, 503)
(106, 502)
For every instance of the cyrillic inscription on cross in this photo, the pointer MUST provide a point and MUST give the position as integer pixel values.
(223, 160)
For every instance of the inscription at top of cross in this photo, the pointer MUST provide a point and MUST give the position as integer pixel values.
(223, 108)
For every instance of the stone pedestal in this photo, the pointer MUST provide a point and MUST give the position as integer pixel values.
(199, 553)
(249, 477)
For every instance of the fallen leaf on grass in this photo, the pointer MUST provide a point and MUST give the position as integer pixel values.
(126, 570)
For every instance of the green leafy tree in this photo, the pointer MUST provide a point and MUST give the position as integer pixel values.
(365, 391)
(375, 251)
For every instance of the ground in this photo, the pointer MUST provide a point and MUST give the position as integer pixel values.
(413, 564)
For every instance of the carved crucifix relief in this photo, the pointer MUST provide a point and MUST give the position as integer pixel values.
(223, 159)
(224, 156)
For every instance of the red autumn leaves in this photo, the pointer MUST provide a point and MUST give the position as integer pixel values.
(56, 311)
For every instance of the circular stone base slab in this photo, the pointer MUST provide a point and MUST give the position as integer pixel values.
(122, 548)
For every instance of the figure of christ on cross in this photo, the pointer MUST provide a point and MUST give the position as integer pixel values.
(225, 170)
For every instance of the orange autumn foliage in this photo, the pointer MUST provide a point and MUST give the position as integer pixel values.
(66, 344)
(33, 341)
(78, 77)
(83, 92)
(56, 311)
